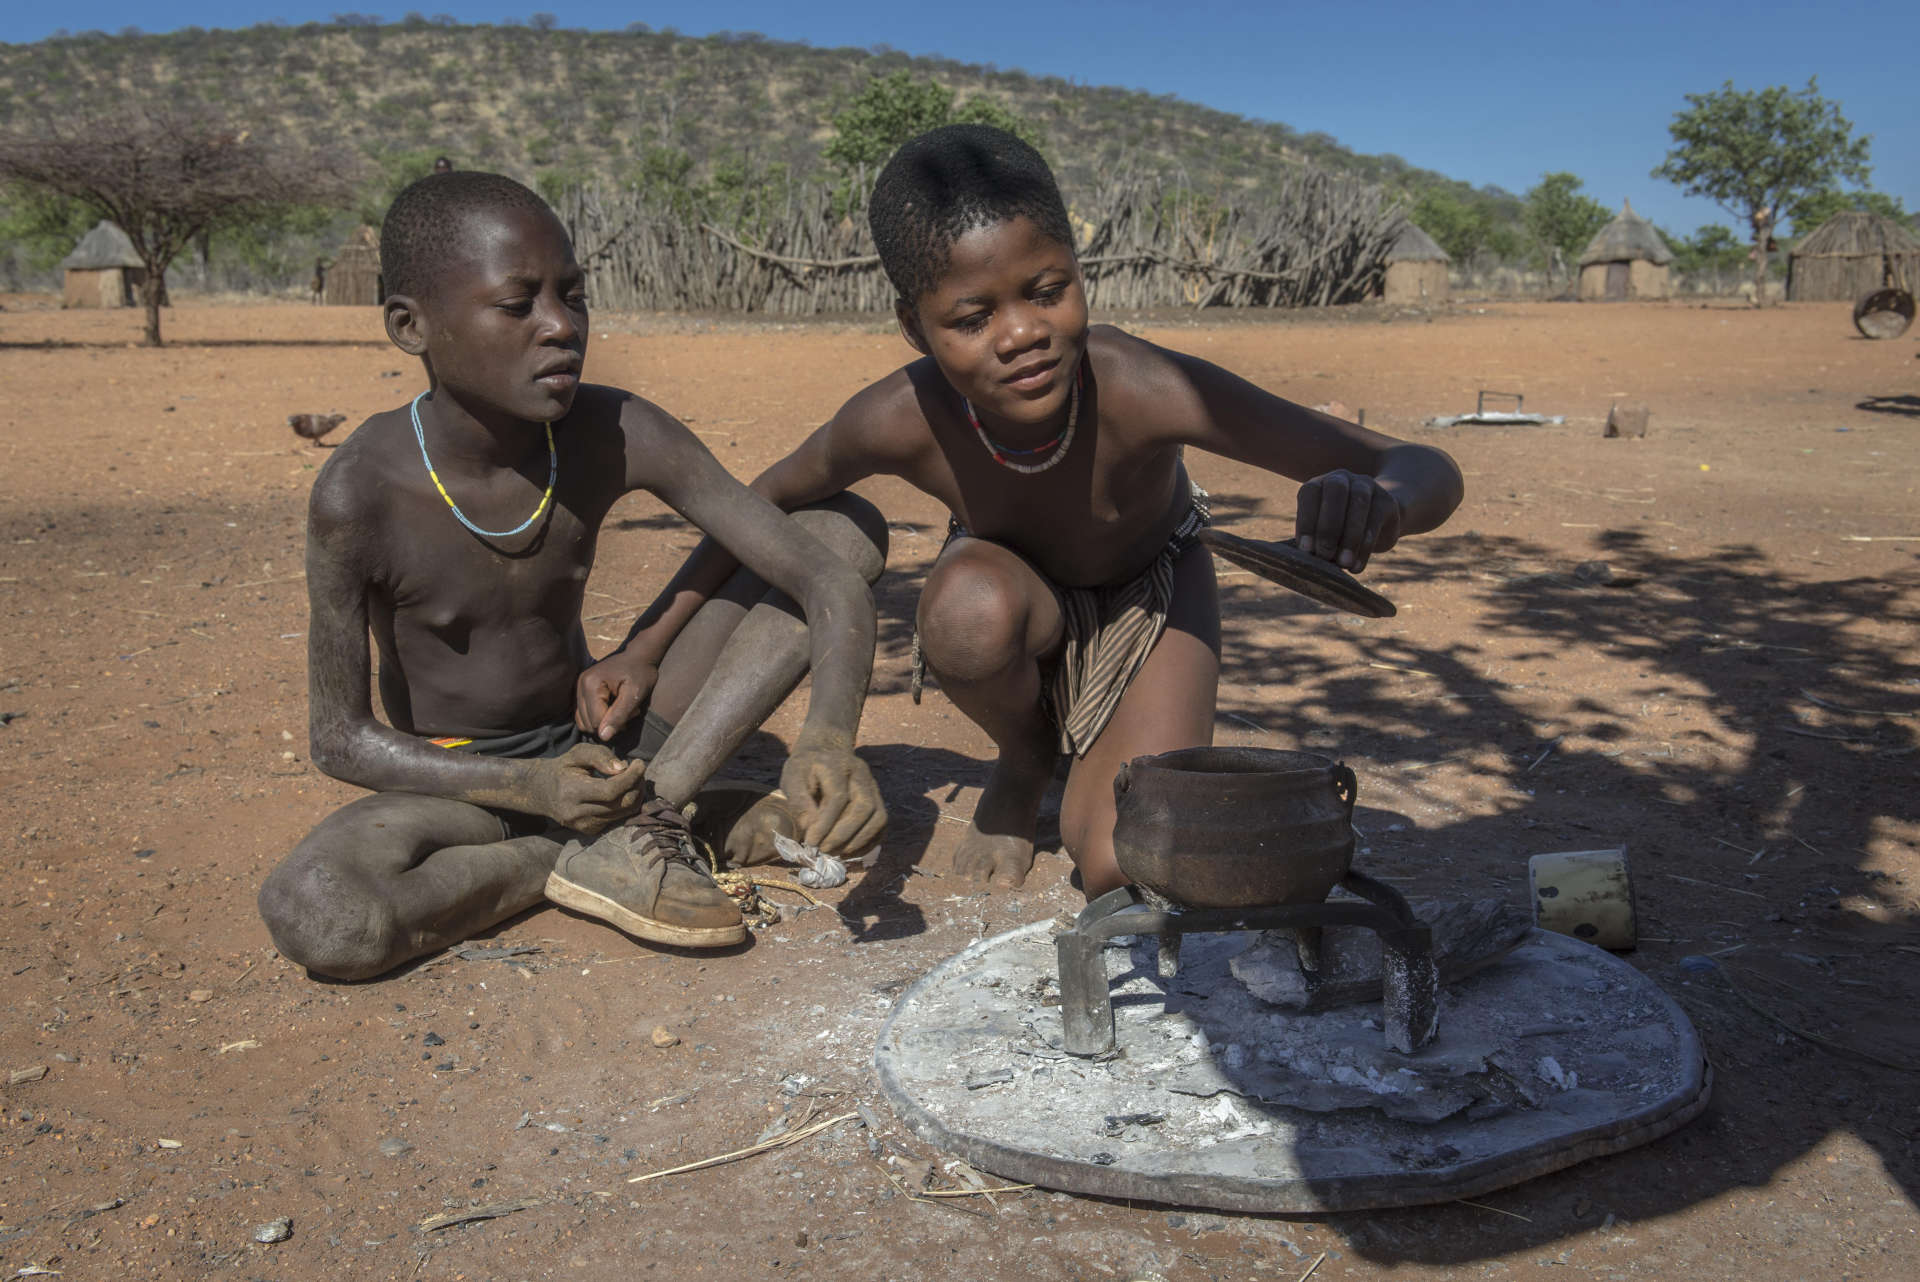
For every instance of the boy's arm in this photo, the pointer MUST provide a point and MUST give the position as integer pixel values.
(821, 771)
(608, 693)
(587, 789)
(1363, 491)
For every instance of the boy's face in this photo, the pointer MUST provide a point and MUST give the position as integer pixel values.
(1006, 322)
(504, 328)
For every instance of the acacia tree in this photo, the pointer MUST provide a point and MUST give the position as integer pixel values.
(1758, 152)
(168, 175)
(1561, 218)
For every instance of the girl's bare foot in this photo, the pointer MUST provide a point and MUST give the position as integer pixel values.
(998, 846)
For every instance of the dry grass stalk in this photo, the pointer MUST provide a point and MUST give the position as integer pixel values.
(489, 1211)
(778, 1141)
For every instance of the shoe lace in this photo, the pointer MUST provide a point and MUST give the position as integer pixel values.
(662, 827)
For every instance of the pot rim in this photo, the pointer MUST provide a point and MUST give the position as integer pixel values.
(1229, 762)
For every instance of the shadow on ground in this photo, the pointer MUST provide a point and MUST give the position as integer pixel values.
(1907, 405)
(1764, 741)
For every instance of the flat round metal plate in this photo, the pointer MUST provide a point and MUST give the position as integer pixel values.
(1558, 1053)
(1287, 565)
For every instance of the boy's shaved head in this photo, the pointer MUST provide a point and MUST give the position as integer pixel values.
(947, 182)
(424, 225)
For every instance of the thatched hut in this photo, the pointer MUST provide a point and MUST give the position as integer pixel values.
(1416, 268)
(102, 270)
(1626, 260)
(353, 278)
(1851, 254)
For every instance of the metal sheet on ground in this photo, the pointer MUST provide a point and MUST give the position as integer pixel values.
(1559, 1053)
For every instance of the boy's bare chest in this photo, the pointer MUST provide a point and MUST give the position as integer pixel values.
(453, 580)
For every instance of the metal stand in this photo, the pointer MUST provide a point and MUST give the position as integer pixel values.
(1410, 1006)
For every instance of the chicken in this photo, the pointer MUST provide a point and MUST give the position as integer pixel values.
(314, 426)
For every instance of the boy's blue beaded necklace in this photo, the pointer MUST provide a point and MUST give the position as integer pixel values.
(553, 474)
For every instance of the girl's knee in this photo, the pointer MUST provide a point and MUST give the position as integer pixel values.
(972, 620)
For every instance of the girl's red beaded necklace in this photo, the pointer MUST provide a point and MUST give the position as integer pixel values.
(1059, 444)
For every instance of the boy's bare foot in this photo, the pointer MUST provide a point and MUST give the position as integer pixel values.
(998, 846)
(645, 878)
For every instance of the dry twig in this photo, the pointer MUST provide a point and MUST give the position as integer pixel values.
(1827, 1043)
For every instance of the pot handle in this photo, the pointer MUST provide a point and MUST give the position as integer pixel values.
(1122, 780)
(1346, 787)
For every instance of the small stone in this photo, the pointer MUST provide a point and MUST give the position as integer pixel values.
(288, 756)
(273, 1231)
(1627, 418)
(1593, 572)
(663, 1037)
(394, 1146)
(200, 995)
(992, 1077)
(433, 1039)
(168, 1143)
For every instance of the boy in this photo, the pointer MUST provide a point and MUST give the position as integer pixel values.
(1071, 610)
(419, 531)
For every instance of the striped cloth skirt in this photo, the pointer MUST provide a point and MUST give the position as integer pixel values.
(1110, 631)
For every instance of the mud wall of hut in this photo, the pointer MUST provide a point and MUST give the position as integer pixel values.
(101, 287)
(1415, 283)
(1644, 280)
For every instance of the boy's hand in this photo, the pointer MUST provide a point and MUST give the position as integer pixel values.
(1345, 517)
(588, 789)
(606, 696)
(838, 798)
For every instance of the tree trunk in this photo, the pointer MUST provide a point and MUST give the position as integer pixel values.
(150, 292)
(1762, 220)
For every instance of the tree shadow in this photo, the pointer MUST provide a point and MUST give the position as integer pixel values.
(1762, 741)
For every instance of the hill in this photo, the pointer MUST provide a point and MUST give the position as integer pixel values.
(544, 101)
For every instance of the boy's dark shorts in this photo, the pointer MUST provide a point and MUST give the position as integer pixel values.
(639, 739)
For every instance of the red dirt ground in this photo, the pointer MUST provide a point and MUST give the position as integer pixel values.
(1738, 707)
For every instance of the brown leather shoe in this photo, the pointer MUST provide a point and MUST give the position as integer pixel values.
(646, 878)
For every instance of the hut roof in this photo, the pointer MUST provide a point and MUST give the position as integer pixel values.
(1854, 232)
(1412, 245)
(1627, 237)
(105, 246)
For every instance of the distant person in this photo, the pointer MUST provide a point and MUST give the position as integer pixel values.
(318, 285)
(460, 532)
(442, 165)
(1071, 611)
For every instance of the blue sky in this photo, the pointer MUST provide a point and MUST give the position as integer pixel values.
(1496, 92)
